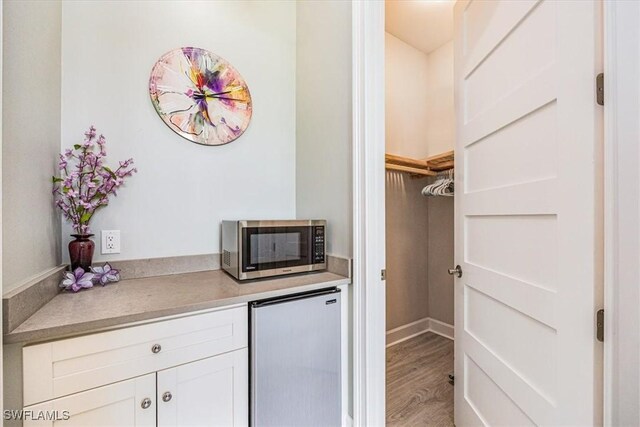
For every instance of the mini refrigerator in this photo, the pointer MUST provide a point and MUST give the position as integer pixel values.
(295, 360)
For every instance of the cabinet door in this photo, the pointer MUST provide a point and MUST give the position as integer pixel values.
(119, 404)
(209, 392)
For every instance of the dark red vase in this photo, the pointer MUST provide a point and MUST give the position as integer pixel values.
(81, 251)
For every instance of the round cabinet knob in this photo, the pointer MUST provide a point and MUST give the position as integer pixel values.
(167, 396)
(146, 402)
(156, 348)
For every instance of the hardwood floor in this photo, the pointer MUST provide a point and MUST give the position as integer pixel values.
(418, 390)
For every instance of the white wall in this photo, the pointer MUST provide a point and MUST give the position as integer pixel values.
(440, 108)
(31, 138)
(323, 134)
(406, 120)
(174, 205)
(419, 115)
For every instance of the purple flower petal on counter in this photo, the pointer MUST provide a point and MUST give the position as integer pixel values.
(77, 280)
(105, 274)
(86, 280)
(69, 280)
(112, 276)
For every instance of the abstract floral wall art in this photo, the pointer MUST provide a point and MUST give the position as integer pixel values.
(200, 96)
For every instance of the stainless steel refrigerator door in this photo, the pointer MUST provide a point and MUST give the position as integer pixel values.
(295, 363)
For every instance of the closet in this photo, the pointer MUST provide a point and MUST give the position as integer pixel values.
(419, 162)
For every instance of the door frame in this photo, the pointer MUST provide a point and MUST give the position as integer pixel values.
(368, 204)
(621, 54)
(368, 213)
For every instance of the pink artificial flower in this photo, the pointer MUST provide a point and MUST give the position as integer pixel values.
(89, 184)
(90, 133)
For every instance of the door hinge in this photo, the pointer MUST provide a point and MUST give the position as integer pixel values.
(383, 274)
(600, 325)
(600, 89)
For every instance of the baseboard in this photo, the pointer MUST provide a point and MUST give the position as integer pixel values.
(441, 328)
(408, 331)
(419, 327)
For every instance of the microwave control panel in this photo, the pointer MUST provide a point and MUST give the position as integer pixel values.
(318, 244)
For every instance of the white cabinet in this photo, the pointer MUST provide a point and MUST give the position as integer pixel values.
(189, 371)
(60, 368)
(209, 392)
(119, 404)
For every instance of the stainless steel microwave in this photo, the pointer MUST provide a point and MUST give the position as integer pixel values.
(256, 249)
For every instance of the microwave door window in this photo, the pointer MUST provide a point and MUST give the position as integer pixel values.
(269, 248)
(259, 251)
(298, 247)
(273, 249)
(262, 249)
(290, 246)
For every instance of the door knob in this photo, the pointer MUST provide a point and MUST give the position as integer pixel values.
(455, 271)
(156, 348)
(167, 396)
(146, 403)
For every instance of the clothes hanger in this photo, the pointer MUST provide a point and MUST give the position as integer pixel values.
(443, 186)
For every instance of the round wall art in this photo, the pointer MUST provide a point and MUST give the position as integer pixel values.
(200, 96)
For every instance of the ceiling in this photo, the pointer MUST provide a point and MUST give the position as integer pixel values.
(424, 24)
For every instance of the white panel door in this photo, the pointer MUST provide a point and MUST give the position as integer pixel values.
(528, 216)
(206, 393)
(114, 405)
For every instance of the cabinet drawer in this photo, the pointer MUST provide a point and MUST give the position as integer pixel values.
(67, 366)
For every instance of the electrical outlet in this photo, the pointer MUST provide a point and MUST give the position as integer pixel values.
(110, 241)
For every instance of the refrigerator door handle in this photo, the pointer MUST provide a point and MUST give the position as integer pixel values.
(294, 297)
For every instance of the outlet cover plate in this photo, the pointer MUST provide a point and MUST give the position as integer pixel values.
(110, 241)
